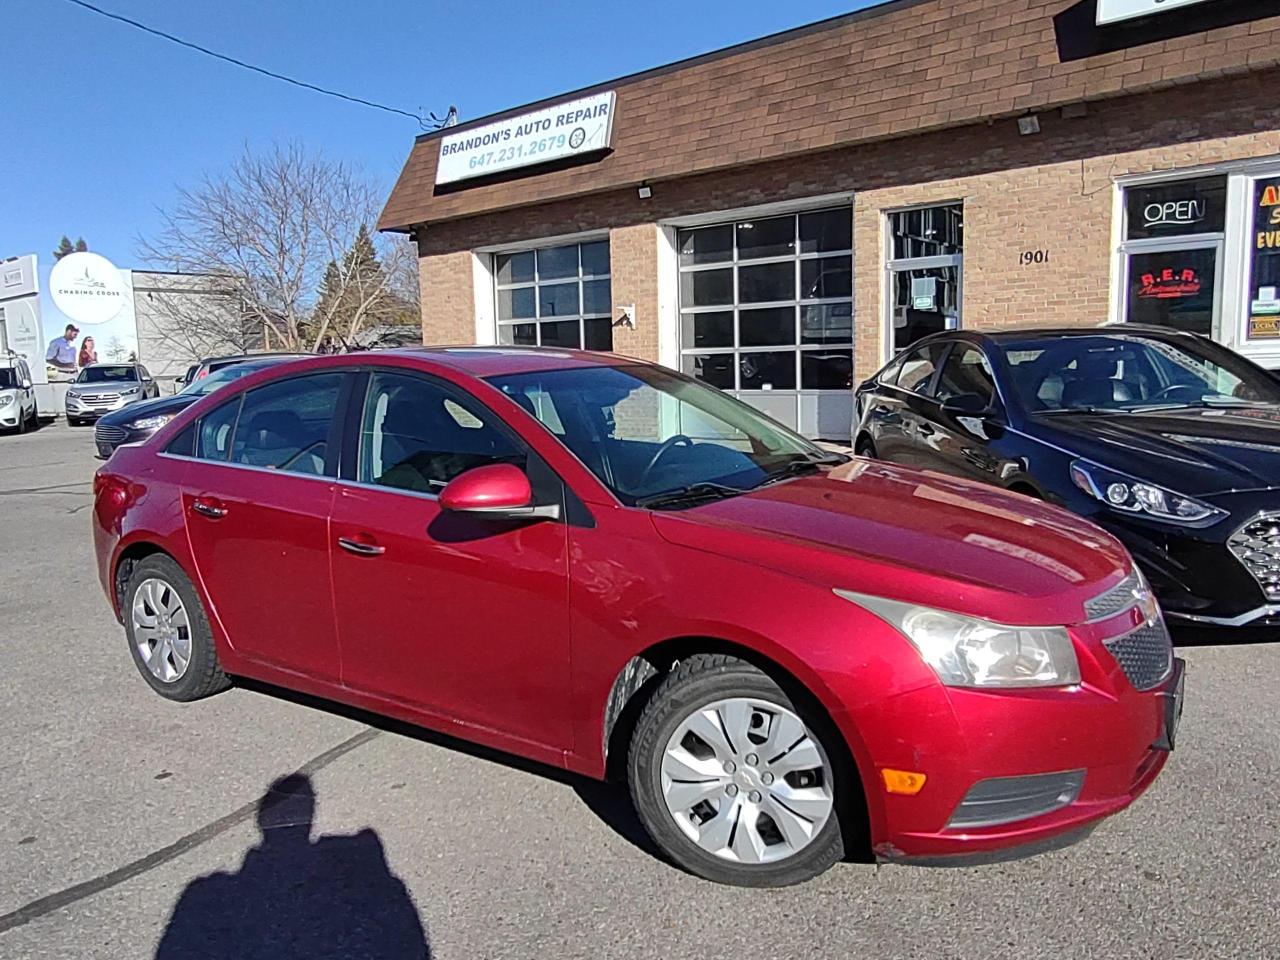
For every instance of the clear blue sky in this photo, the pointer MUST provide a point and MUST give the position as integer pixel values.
(102, 121)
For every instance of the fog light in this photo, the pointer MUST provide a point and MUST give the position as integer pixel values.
(903, 782)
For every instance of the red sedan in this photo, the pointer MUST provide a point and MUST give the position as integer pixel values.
(602, 565)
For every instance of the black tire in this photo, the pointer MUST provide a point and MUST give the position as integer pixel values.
(203, 676)
(23, 422)
(866, 448)
(694, 683)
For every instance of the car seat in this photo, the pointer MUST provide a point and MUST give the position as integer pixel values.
(1095, 384)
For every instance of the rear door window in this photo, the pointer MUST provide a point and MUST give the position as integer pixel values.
(286, 425)
(216, 431)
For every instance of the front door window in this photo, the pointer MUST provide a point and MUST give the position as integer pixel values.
(1174, 288)
(926, 267)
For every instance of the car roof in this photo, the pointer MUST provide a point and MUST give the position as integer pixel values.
(242, 357)
(1114, 329)
(498, 361)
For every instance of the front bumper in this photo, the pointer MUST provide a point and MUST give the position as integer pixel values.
(1116, 737)
(79, 409)
(1194, 573)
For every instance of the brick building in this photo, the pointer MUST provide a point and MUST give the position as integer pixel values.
(779, 217)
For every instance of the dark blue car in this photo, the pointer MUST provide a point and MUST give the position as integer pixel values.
(1166, 439)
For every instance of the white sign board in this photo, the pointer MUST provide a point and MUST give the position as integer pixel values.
(553, 133)
(18, 277)
(87, 288)
(1113, 11)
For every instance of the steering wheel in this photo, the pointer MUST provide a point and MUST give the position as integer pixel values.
(678, 440)
(1174, 388)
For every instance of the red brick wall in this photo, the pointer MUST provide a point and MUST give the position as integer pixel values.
(1054, 191)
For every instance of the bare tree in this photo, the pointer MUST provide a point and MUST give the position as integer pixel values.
(116, 349)
(270, 228)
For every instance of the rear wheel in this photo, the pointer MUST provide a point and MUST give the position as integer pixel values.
(169, 635)
(730, 781)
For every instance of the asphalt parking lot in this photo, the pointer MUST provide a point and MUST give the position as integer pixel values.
(113, 801)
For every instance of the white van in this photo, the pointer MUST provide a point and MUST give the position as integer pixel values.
(17, 395)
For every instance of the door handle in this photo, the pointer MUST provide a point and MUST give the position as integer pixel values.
(924, 430)
(213, 509)
(361, 548)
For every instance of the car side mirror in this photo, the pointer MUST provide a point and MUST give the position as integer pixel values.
(26, 384)
(966, 405)
(498, 491)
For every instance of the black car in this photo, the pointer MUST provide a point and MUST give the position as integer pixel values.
(1168, 440)
(198, 371)
(140, 420)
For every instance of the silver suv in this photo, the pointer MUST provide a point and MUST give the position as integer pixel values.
(103, 387)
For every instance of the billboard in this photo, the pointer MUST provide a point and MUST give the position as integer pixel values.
(20, 326)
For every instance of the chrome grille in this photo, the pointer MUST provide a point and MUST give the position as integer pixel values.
(109, 434)
(1120, 597)
(99, 399)
(1257, 546)
(1145, 655)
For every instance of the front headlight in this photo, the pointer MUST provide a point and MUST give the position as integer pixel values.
(1131, 495)
(6, 400)
(72, 395)
(151, 423)
(968, 652)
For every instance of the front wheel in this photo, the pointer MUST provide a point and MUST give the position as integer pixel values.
(168, 632)
(730, 781)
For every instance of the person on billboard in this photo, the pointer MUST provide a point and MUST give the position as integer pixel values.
(60, 359)
(88, 354)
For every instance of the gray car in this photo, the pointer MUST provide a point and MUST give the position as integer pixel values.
(103, 387)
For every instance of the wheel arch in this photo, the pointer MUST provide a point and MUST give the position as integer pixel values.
(639, 676)
(126, 560)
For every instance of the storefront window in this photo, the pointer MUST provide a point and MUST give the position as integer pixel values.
(555, 296)
(1175, 288)
(1264, 263)
(926, 270)
(767, 304)
(1173, 253)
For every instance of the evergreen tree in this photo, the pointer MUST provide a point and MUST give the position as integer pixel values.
(65, 246)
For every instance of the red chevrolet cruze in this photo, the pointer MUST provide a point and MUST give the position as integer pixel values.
(608, 567)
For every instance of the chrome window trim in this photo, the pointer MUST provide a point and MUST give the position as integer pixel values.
(271, 471)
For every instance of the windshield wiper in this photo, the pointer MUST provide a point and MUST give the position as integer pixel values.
(1204, 403)
(691, 494)
(796, 468)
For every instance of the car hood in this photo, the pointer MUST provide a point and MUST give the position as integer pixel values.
(1196, 451)
(914, 536)
(149, 408)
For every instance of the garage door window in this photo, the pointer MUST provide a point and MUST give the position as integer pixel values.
(555, 296)
(767, 304)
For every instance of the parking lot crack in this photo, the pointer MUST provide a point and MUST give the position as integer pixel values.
(88, 888)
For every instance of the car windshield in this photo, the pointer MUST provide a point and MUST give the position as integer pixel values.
(656, 438)
(1132, 372)
(108, 374)
(8, 378)
(220, 378)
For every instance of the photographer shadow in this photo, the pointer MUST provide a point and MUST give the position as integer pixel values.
(294, 897)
